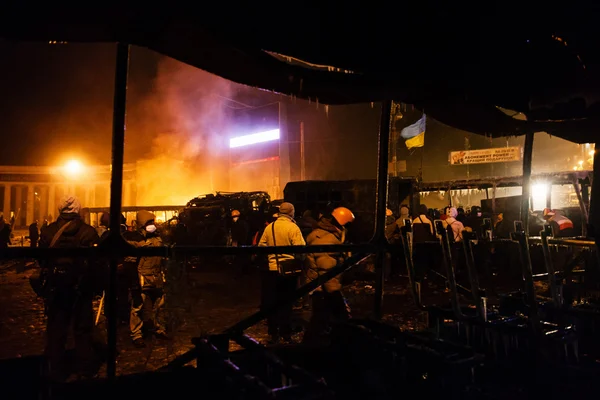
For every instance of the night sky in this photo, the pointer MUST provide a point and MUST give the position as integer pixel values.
(56, 102)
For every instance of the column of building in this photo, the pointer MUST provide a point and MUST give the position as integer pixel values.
(52, 203)
(127, 194)
(44, 201)
(6, 209)
(29, 213)
(19, 204)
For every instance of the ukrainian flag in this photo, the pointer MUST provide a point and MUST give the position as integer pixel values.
(415, 134)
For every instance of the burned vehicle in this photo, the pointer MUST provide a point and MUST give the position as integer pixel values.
(205, 220)
(321, 197)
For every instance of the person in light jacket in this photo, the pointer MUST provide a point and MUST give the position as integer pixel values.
(276, 284)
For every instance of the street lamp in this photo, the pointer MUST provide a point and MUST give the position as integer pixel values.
(73, 168)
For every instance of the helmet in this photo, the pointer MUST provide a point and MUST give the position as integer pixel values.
(548, 212)
(388, 212)
(235, 213)
(143, 217)
(342, 215)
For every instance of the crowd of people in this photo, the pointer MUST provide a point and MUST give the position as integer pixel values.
(69, 285)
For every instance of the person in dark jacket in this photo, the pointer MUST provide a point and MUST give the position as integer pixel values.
(307, 223)
(328, 302)
(4, 233)
(475, 221)
(239, 230)
(69, 291)
(127, 278)
(34, 234)
(240, 236)
(392, 232)
(152, 282)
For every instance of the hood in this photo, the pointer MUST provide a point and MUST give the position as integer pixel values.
(328, 226)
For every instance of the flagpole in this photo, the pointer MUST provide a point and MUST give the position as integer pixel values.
(421, 168)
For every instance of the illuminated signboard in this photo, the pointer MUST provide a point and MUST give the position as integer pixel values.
(485, 156)
(254, 138)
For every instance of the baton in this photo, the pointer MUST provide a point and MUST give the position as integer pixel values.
(100, 307)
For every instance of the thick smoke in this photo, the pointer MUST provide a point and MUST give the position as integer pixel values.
(184, 157)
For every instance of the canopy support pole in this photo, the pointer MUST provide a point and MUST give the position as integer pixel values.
(116, 192)
(525, 194)
(594, 213)
(381, 203)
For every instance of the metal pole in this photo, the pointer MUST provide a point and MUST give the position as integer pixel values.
(584, 211)
(302, 160)
(381, 202)
(116, 192)
(594, 216)
(527, 157)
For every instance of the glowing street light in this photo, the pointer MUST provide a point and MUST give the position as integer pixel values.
(73, 168)
(539, 192)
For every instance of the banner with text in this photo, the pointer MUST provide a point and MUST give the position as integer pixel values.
(485, 156)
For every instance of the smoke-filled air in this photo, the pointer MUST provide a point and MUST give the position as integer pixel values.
(186, 121)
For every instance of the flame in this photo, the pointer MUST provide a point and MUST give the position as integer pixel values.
(187, 120)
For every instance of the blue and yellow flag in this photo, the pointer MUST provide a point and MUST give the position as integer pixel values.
(415, 134)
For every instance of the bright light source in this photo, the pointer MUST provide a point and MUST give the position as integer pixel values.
(538, 195)
(580, 162)
(591, 153)
(260, 137)
(574, 168)
(73, 168)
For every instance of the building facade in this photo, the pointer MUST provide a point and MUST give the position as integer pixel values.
(30, 193)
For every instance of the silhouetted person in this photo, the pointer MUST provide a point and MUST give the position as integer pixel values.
(69, 291)
(4, 233)
(34, 234)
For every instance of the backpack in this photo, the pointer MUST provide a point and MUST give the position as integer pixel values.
(42, 279)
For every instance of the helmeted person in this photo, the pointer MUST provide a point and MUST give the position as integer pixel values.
(239, 229)
(561, 225)
(328, 302)
(152, 283)
(277, 284)
(69, 290)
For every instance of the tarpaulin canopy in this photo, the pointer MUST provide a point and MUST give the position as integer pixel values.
(457, 63)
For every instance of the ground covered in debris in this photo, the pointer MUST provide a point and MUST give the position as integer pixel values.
(207, 300)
